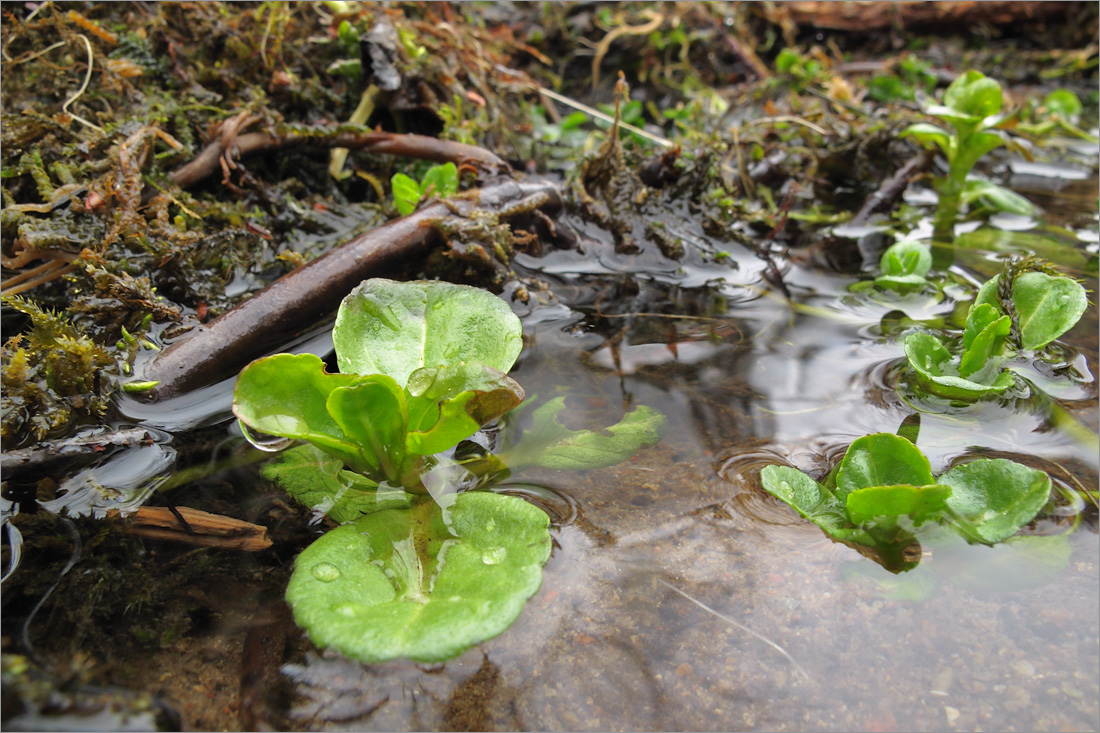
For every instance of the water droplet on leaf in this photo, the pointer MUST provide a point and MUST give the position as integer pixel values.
(494, 555)
(263, 441)
(326, 572)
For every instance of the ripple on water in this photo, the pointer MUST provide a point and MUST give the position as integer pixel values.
(741, 467)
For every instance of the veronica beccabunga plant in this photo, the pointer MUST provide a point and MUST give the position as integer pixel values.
(1025, 307)
(883, 493)
(418, 568)
(972, 108)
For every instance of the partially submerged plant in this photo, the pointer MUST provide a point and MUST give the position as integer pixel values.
(1027, 306)
(422, 368)
(883, 492)
(904, 265)
(972, 107)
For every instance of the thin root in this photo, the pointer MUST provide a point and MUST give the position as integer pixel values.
(741, 626)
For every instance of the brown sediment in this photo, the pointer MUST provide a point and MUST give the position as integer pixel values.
(891, 190)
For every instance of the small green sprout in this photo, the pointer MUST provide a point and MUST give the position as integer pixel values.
(440, 181)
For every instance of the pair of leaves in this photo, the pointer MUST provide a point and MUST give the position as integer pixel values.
(440, 181)
(405, 583)
(884, 477)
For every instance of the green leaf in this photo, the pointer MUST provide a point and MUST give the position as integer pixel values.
(397, 584)
(317, 480)
(917, 502)
(974, 94)
(1046, 307)
(997, 197)
(984, 340)
(440, 181)
(552, 445)
(994, 498)
(881, 459)
(931, 361)
(285, 395)
(971, 151)
(395, 328)
(449, 404)
(792, 486)
(814, 502)
(406, 193)
(1065, 104)
(928, 135)
(372, 413)
(906, 258)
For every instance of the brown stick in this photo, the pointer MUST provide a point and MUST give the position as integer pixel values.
(386, 143)
(868, 16)
(206, 530)
(893, 187)
(304, 296)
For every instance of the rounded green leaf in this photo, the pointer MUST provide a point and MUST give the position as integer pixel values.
(975, 94)
(995, 497)
(406, 193)
(394, 328)
(984, 340)
(1065, 104)
(905, 259)
(449, 404)
(391, 585)
(917, 502)
(1046, 307)
(881, 459)
(285, 395)
(792, 486)
(931, 361)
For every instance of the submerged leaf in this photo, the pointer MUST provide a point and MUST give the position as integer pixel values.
(317, 480)
(394, 328)
(397, 584)
(552, 445)
(994, 497)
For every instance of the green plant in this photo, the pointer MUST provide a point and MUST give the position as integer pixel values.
(910, 74)
(422, 368)
(799, 69)
(440, 181)
(883, 492)
(1027, 306)
(972, 107)
(1059, 111)
(904, 265)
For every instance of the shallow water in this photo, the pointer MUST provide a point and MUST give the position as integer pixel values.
(678, 595)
